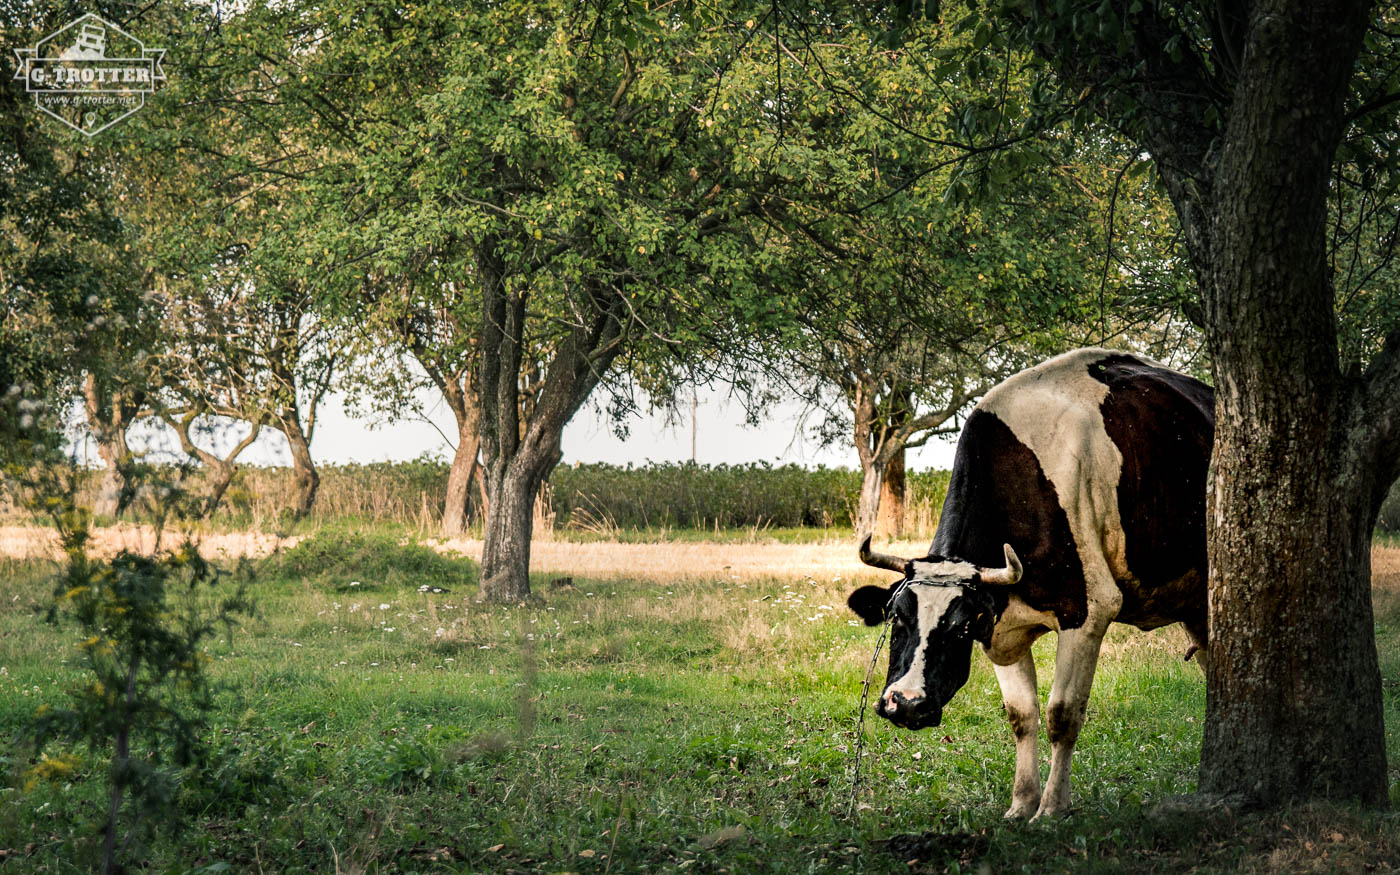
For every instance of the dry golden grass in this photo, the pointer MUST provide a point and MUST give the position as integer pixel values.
(1385, 568)
(672, 560)
(31, 542)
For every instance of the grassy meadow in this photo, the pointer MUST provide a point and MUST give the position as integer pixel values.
(637, 716)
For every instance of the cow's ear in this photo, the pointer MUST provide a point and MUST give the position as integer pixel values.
(869, 603)
(981, 627)
(985, 620)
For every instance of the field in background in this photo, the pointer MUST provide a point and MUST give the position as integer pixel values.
(660, 711)
(654, 501)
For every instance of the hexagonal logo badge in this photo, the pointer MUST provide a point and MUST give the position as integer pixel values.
(90, 74)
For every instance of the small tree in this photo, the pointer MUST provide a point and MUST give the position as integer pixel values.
(140, 625)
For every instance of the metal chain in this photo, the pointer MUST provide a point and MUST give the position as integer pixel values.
(865, 695)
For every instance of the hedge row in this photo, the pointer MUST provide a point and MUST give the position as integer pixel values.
(600, 496)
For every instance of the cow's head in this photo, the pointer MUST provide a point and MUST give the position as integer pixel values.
(937, 610)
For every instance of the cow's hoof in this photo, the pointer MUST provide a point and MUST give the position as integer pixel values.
(1047, 813)
(1020, 812)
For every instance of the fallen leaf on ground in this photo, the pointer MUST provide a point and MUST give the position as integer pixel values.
(720, 836)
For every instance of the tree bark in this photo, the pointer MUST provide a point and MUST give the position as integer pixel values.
(110, 412)
(219, 471)
(304, 473)
(889, 521)
(509, 528)
(517, 455)
(462, 399)
(460, 476)
(871, 480)
(1303, 452)
(872, 448)
(1294, 706)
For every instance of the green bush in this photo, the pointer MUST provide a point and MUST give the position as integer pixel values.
(687, 495)
(373, 558)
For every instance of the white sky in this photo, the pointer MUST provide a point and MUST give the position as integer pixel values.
(721, 437)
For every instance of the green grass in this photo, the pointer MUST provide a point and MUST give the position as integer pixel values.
(629, 726)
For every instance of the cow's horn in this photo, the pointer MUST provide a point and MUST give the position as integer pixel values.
(1004, 576)
(880, 560)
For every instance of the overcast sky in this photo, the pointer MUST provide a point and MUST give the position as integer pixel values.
(721, 437)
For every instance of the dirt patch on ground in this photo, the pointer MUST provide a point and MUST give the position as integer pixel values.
(600, 559)
(603, 559)
(33, 542)
(1385, 568)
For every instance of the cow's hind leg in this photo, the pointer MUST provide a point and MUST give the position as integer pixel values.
(1076, 657)
(1200, 648)
(1018, 694)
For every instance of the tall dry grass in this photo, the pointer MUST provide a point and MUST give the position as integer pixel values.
(601, 500)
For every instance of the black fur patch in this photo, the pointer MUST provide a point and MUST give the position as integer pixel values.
(1163, 423)
(999, 495)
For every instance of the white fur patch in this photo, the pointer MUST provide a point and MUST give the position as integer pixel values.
(1054, 409)
(947, 568)
(933, 603)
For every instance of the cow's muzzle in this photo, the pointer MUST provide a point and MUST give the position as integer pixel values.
(909, 712)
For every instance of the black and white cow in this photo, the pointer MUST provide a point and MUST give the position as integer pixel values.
(1077, 499)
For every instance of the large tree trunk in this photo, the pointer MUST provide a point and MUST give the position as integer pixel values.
(509, 527)
(871, 480)
(889, 521)
(1294, 705)
(518, 456)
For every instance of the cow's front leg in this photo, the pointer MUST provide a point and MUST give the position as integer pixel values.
(1018, 694)
(1076, 656)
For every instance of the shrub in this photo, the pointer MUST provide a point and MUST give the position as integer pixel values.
(373, 558)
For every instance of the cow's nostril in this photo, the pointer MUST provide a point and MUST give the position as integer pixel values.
(891, 707)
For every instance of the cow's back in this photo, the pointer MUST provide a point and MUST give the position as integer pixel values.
(1093, 456)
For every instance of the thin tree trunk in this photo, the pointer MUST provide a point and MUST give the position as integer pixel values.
(463, 399)
(460, 477)
(482, 496)
(121, 768)
(218, 471)
(304, 473)
(889, 521)
(109, 415)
